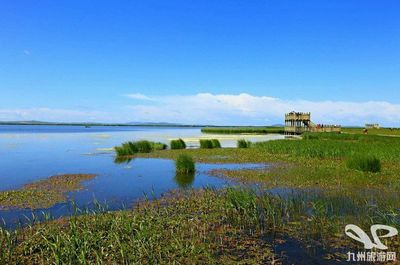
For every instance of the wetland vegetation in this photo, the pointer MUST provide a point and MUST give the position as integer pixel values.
(143, 146)
(178, 144)
(184, 164)
(209, 143)
(314, 188)
(242, 143)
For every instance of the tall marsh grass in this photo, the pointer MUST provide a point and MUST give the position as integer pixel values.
(143, 146)
(215, 143)
(209, 143)
(206, 144)
(184, 164)
(178, 144)
(364, 163)
(242, 143)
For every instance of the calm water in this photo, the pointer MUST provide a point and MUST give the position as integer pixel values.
(31, 153)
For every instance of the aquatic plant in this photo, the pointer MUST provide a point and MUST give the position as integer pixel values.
(366, 163)
(184, 164)
(178, 144)
(242, 143)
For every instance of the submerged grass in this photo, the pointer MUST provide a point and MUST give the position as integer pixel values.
(43, 193)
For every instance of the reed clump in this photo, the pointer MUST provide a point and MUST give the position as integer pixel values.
(143, 146)
(242, 143)
(210, 143)
(185, 164)
(178, 144)
(216, 143)
(206, 144)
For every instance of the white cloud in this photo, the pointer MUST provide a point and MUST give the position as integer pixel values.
(139, 96)
(219, 109)
(207, 108)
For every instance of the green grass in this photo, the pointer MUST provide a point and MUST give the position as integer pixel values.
(44, 193)
(243, 130)
(178, 144)
(185, 164)
(364, 163)
(336, 146)
(242, 143)
(381, 131)
(228, 226)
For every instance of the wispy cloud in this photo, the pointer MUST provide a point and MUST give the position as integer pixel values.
(139, 96)
(26, 52)
(50, 114)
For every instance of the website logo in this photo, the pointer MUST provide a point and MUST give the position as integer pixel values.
(356, 233)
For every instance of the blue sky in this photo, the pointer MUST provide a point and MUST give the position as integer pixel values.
(223, 62)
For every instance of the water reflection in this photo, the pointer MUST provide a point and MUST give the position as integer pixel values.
(122, 159)
(184, 180)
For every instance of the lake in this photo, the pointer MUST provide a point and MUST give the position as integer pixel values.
(31, 153)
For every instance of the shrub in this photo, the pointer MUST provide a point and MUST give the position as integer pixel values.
(364, 163)
(184, 164)
(242, 143)
(178, 144)
(215, 143)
